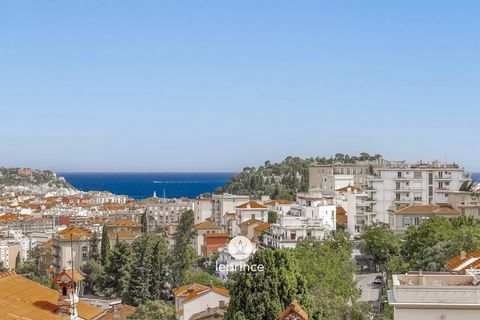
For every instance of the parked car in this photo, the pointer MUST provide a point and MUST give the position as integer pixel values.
(378, 280)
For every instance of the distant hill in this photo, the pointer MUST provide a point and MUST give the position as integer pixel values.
(282, 180)
(31, 177)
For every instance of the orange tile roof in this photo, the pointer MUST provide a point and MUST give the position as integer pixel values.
(278, 201)
(47, 245)
(77, 277)
(251, 205)
(206, 225)
(296, 309)
(123, 223)
(340, 210)
(123, 235)
(471, 261)
(216, 235)
(427, 209)
(345, 189)
(21, 298)
(196, 293)
(262, 227)
(118, 313)
(184, 290)
(250, 221)
(75, 233)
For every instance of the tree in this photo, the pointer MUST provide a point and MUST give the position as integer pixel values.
(117, 272)
(159, 273)
(272, 216)
(2, 267)
(395, 265)
(258, 295)
(94, 275)
(183, 252)
(204, 278)
(380, 243)
(154, 310)
(144, 222)
(105, 247)
(94, 254)
(139, 284)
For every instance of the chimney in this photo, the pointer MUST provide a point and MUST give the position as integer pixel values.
(463, 255)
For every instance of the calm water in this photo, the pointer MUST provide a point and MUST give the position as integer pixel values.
(142, 185)
(476, 176)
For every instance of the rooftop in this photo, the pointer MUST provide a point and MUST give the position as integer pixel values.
(428, 209)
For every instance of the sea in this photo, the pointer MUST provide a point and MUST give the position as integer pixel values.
(142, 185)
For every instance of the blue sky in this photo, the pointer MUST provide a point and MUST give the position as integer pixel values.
(218, 85)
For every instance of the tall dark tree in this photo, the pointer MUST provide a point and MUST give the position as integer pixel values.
(94, 275)
(105, 247)
(144, 222)
(259, 295)
(117, 272)
(94, 254)
(160, 270)
(140, 275)
(18, 261)
(183, 252)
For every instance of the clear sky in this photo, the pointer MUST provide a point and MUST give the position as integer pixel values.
(219, 85)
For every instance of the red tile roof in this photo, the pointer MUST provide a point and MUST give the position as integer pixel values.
(251, 205)
(428, 209)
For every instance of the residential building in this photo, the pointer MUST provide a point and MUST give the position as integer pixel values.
(358, 211)
(194, 298)
(9, 249)
(399, 184)
(213, 242)
(465, 263)
(249, 210)
(293, 312)
(123, 230)
(227, 264)
(163, 212)
(401, 219)
(281, 206)
(203, 228)
(467, 203)
(202, 209)
(435, 296)
(216, 313)
(225, 203)
(71, 245)
(252, 228)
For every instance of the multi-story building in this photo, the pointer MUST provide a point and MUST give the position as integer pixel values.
(202, 229)
(202, 209)
(247, 211)
(71, 248)
(224, 204)
(435, 296)
(329, 177)
(400, 184)
(467, 203)
(165, 212)
(9, 250)
(402, 218)
(194, 298)
(359, 214)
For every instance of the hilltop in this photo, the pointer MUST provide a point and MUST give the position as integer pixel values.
(31, 177)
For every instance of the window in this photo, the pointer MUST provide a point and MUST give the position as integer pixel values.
(399, 174)
(417, 221)
(407, 221)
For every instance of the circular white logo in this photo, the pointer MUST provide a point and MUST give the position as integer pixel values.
(240, 247)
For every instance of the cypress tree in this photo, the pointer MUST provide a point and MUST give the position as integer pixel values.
(159, 272)
(94, 254)
(144, 222)
(18, 260)
(105, 247)
(117, 272)
(183, 252)
(139, 283)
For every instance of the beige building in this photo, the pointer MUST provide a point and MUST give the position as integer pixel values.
(437, 296)
(224, 204)
(466, 202)
(71, 243)
(401, 219)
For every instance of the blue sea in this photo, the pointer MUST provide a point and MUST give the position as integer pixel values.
(142, 185)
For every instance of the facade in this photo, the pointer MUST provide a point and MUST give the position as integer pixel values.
(400, 184)
(8, 253)
(202, 229)
(194, 298)
(225, 203)
(70, 244)
(435, 296)
(358, 212)
(401, 219)
(166, 211)
(280, 206)
(467, 203)
(202, 209)
(247, 211)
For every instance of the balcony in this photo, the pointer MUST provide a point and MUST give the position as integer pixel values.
(402, 190)
(402, 178)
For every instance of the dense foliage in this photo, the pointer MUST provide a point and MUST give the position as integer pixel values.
(154, 310)
(11, 177)
(282, 180)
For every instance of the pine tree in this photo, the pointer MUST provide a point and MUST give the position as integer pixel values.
(94, 254)
(183, 251)
(160, 270)
(139, 284)
(117, 272)
(259, 295)
(144, 222)
(105, 247)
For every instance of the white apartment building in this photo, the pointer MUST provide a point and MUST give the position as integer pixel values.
(312, 217)
(224, 204)
(467, 203)
(400, 184)
(99, 198)
(435, 296)
(359, 213)
(163, 212)
(9, 249)
(71, 246)
(247, 211)
(202, 209)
